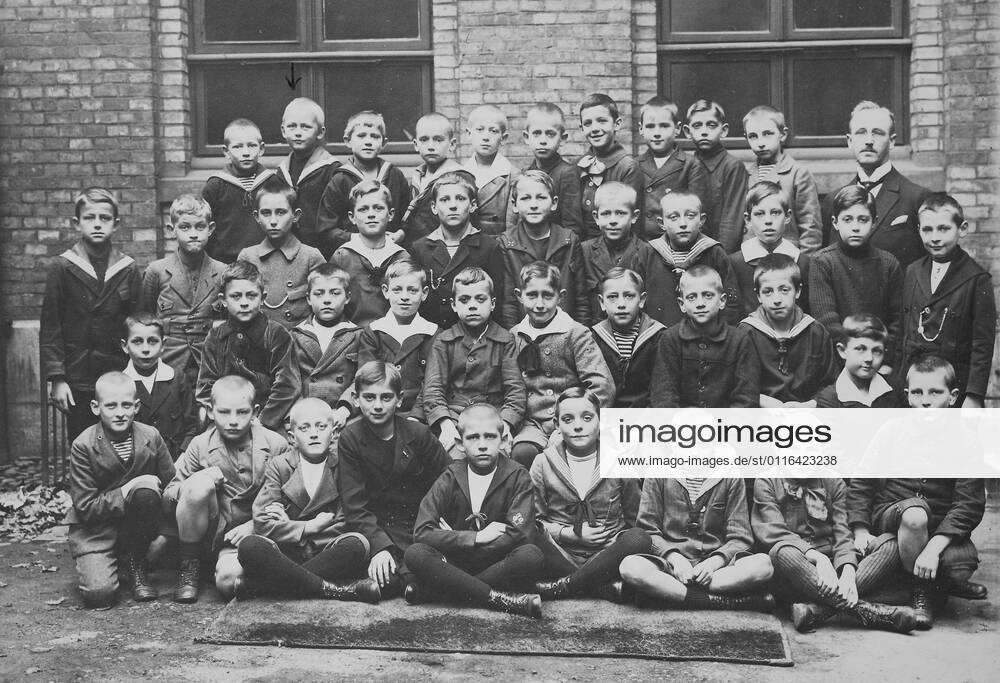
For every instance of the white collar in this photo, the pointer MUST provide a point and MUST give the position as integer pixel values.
(310, 325)
(879, 173)
(752, 249)
(86, 266)
(560, 324)
(375, 256)
(500, 168)
(847, 390)
(438, 235)
(163, 372)
(391, 326)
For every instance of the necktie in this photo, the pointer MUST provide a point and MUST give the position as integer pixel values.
(870, 185)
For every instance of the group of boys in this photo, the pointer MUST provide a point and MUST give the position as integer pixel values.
(333, 308)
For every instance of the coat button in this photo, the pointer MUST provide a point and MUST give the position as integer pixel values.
(288, 315)
(548, 352)
(239, 335)
(289, 283)
(702, 346)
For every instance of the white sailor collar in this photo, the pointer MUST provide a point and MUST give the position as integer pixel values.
(560, 324)
(163, 372)
(390, 326)
(848, 391)
(752, 250)
(500, 167)
(309, 324)
(438, 234)
(375, 256)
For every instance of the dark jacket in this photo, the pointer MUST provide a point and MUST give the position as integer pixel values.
(563, 252)
(232, 211)
(381, 499)
(261, 351)
(717, 523)
(663, 276)
(681, 171)
(958, 320)
(335, 204)
(82, 319)
(593, 170)
(635, 254)
(326, 375)
(956, 505)
(805, 226)
(418, 219)
(744, 260)
(310, 185)
(780, 520)
(631, 375)
(896, 224)
(566, 178)
(406, 348)
(96, 475)
(367, 301)
(170, 407)
(727, 190)
(712, 369)
(493, 207)
(284, 273)
(475, 249)
(508, 500)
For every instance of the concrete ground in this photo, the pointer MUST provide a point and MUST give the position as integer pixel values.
(46, 635)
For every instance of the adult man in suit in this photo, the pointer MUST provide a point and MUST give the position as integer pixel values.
(871, 137)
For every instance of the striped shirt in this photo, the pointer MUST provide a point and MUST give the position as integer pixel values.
(695, 487)
(766, 172)
(123, 449)
(625, 341)
(246, 181)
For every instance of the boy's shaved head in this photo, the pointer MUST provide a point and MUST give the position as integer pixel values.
(310, 407)
(490, 113)
(234, 384)
(547, 109)
(111, 381)
(701, 272)
(306, 105)
(479, 411)
(436, 119)
(241, 124)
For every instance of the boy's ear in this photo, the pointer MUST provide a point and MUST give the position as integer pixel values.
(297, 214)
(564, 136)
(452, 144)
(95, 407)
(963, 228)
(783, 135)
(211, 227)
(124, 346)
(555, 203)
(594, 213)
(385, 290)
(434, 208)
(842, 350)
(953, 396)
(75, 222)
(525, 135)
(701, 221)
(416, 145)
(171, 232)
(263, 148)
(618, 123)
(392, 213)
(635, 216)
(642, 299)
(350, 215)
(517, 292)
(659, 222)
(686, 131)
(725, 130)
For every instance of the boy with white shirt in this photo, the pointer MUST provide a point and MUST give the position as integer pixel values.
(862, 347)
(473, 528)
(487, 130)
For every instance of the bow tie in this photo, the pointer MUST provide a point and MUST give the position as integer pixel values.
(590, 165)
(582, 512)
(530, 356)
(478, 522)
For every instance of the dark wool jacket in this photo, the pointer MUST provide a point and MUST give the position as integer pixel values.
(261, 351)
(310, 185)
(618, 165)
(744, 260)
(232, 211)
(475, 249)
(959, 318)
(717, 523)
(406, 348)
(681, 171)
(566, 178)
(418, 219)
(327, 375)
(957, 505)
(508, 500)
(493, 205)
(284, 273)
(716, 368)
(381, 499)
(367, 301)
(96, 475)
(662, 279)
(170, 407)
(82, 319)
(635, 254)
(563, 252)
(727, 190)
(778, 520)
(335, 204)
(631, 375)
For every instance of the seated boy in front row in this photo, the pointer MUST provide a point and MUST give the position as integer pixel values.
(217, 478)
(702, 362)
(795, 352)
(861, 345)
(473, 361)
(116, 471)
(931, 519)
(251, 346)
(473, 531)
(702, 543)
(387, 465)
(299, 547)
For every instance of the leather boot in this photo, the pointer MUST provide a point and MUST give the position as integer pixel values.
(699, 598)
(524, 604)
(968, 590)
(362, 590)
(187, 581)
(806, 616)
(142, 590)
(553, 590)
(885, 617)
(413, 594)
(616, 591)
(921, 598)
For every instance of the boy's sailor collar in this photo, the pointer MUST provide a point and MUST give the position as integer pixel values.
(390, 326)
(752, 250)
(758, 320)
(425, 177)
(163, 372)
(290, 249)
(561, 323)
(438, 234)
(259, 179)
(351, 168)
(309, 325)
(375, 256)
(117, 261)
(682, 259)
(848, 391)
(318, 160)
(648, 328)
(501, 167)
(877, 176)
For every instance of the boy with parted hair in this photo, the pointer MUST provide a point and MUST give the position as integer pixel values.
(861, 344)
(544, 132)
(486, 129)
(230, 192)
(365, 135)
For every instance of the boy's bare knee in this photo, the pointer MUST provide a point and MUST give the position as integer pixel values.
(634, 568)
(196, 489)
(913, 519)
(227, 571)
(761, 568)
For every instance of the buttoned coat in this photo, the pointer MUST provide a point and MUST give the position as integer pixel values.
(326, 375)
(597, 260)
(406, 348)
(309, 187)
(233, 208)
(681, 171)
(619, 166)
(284, 271)
(630, 376)
(335, 204)
(566, 178)
(804, 227)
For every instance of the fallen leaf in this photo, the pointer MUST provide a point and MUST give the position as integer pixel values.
(53, 568)
(20, 565)
(57, 601)
(3, 584)
(32, 670)
(38, 649)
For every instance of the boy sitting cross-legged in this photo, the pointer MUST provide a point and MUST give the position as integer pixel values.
(472, 536)
(402, 337)
(369, 251)
(628, 338)
(795, 352)
(702, 557)
(387, 465)
(860, 344)
(217, 478)
(474, 361)
(702, 362)
(116, 471)
(299, 547)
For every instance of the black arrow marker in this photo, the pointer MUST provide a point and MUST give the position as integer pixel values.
(291, 80)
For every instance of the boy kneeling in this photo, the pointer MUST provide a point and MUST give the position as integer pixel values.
(472, 527)
(299, 547)
(116, 471)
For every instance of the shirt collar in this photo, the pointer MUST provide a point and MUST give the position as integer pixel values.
(289, 249)
(438, 235)
(752, 250)
(163, 373)
(375, 256)
(689, 332)
(389, 325)
(560, 324)
(847, 390)
(877, 175)
(500, 168)
(425, 177)
(310, 325)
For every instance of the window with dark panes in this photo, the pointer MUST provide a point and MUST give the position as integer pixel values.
(350, 55)
(813, 59)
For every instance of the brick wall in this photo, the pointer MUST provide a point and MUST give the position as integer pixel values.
(78, 91)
